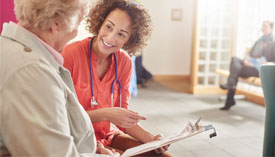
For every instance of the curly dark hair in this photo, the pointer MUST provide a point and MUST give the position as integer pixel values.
(141, 22)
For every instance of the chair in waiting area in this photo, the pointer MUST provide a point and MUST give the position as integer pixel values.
(267, 74)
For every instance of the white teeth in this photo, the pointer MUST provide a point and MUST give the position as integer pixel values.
(106, 44)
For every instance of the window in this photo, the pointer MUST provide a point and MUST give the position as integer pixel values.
(215, 26)
(251, 14)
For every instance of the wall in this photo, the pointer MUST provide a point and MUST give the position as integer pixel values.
(6, 12)
(169, 49)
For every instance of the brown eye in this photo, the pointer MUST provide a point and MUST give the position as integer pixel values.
(122, 35)
(108, 27)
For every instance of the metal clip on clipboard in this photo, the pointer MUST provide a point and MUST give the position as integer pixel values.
(205, 128)
(188, 131)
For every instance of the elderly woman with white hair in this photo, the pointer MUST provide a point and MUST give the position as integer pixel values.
(40, 114)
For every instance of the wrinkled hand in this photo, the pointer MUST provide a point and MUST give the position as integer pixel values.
(102, 150)
(124, 118)
(161, 149)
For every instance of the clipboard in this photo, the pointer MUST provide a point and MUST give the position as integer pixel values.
(189, 131)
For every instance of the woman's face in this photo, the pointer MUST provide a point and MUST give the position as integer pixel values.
(266, 29)
(115, 32)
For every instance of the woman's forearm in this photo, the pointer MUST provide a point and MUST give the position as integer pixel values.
(140, 133)
(99, 115)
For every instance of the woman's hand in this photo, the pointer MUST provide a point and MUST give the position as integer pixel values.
(161, 149)
(124, 118)
(102, 150)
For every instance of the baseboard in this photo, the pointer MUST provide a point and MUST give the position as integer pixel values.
(172, 77)
(180, 83)
(208, 90)
(253, 97)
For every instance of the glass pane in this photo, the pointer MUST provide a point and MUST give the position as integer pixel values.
(203, 31)
(211, 80)
(225, 56)
(214, 32)
(204, 20)
(214, 44)
(202, 56)
(212, 67)
(203, 43)
(224, 66)
(201, 80)
(213, 56)
(226, 44)
(201, 68)
(226, 32)
(227, 20)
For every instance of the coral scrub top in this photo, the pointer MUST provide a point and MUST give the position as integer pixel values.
(76, 60)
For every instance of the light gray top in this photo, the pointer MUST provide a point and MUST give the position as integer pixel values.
(39, 112)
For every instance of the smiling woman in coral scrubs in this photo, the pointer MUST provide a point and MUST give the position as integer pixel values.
(97, 62)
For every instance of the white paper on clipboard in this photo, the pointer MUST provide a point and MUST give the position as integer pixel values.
(188, 131)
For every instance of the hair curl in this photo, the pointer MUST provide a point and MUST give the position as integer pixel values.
(141, 22)
(43, 14)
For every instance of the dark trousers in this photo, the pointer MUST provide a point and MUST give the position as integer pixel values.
(238, 69)
(142, 73)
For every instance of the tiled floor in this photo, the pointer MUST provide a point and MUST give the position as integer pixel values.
(240, 130)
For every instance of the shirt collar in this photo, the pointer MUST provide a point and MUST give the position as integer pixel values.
(57, 56)
(94, 57)
(29, 39)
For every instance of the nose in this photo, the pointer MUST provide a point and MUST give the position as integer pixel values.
(110, 37)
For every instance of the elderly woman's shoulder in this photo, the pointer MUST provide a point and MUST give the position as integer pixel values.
(14, 50)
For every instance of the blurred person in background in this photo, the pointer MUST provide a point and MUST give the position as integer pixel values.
(249, 66)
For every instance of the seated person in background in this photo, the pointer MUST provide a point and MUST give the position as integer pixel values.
(249, 66)
(39, 112)
(97, 63)
(269, 52)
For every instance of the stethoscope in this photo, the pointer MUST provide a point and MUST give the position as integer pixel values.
(93, 101)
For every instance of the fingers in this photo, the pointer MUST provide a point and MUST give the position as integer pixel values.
(132, 114)
(142, 118)
(116, 154)
(160, 150)
(100, 145)
(133, 120)
(125, 118)
(127, 123)
(136, 116)
(166, 147)
(158, 137)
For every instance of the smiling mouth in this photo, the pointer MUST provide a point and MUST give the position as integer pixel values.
(106, 44)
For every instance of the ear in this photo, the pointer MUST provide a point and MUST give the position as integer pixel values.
(55, 27)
